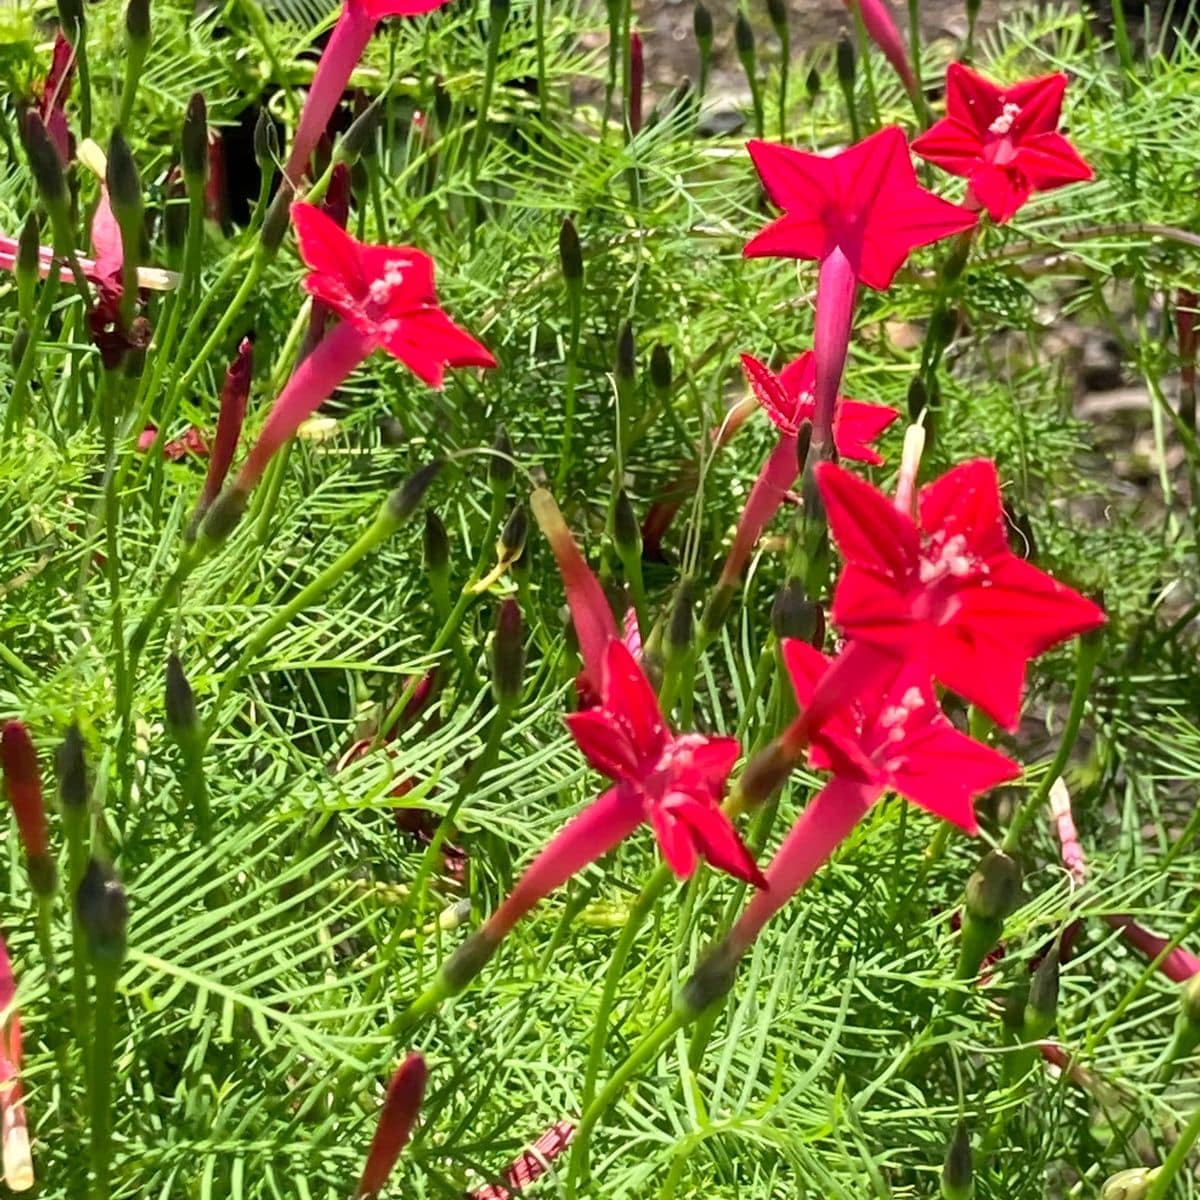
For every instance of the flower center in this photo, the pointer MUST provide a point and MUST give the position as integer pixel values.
(894, 718)
(1004, 122)
(382, 289)
(949, 558)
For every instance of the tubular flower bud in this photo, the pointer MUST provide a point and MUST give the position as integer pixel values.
(403, 502)
(266, 142)
(354, 143)
(510, 545)
(137, 25)
(508, 653)
(845, 60)
(626, 534)
(14, 1134)
(682, 626)
(28, 264)
(794, 615)
(22, 782)
(72, 769)
(570, 253)
(396, 1120)
(182, 721)
(501, 467)
(1041, 1008)
(993, 889)
(230, 418)
(626, 361)
(957, 1175)
(660, 368)
(103, 913)
(44, 163)
(275, 223)
(435, 544)
(194, 143)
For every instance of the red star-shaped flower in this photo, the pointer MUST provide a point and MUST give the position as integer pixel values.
(1003, 140)
(945, 590)
(788, 399)
(865, 202)
(902, 739)
(673, 780)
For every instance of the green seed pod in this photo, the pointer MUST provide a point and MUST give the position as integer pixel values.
(194, 143)
(354, 143)
(626, 535)
(957, 1174)
(182, 721)
(124, 182)
(71, 764)
(743, 39)
(993, 889)
(626, 360)
(44, 163)
(404, 501)
(501, 465)
(435, 544)
(711, 980)
(508, 653)
(103, 913)
(660, 368)
(137, 25)
(275, 223)
(845, 60)
(1041, 1008)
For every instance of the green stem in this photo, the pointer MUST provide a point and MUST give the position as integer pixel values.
(269, 495)
(574, 301)
(539, 26)
(191, 557)
(495, 31)
(1182, 1148)
(16, 404)
(785, 55)
(99, 1084)
(1087, 656)
(75, 820)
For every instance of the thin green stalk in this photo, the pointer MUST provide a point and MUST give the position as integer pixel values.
(41, 313)
(914, 54)
(1121, 38)
(99, 1084)
(191, 557)
(539, 28)
(785, 62)
(1182, 1148)
(864, 55)
(269, 494)
(1087, 656)
(495, 31)
(75, 821)
(564, 454)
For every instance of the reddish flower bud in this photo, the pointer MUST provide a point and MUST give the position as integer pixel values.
(18, 759)
(232, 414)
(14, 1136)
(396, 1120)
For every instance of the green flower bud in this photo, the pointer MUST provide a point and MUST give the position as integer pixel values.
(508, 654)
(681, 627)
(194, 143)
(467, 961)
(1041, 1008)
(1189, 1002)
(626, 534)
(266, 142)
(570, 252)
(124, 183)
(19, 345)
(918, 397)
(777, 11)
(717, 608)
(226, 511)
(511, 542)
(275, 223)
(845, 60)
(182, 722)
(812, 84)
(443, 104)
(435, 544)
(501, 465)
(1131, 1184)
(103, 913)
(404, 501)
(993, 890)
(957, 1175)
(660, 368)
(354, 143)
(765, 773)
(44, 163)
(626, 362)
(137, 25)
(710, 981)
(71, 764)
(743, 38)
(28, 264)
(702, 26)
(794, 615)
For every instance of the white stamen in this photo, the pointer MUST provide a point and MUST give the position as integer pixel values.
(1004, 122)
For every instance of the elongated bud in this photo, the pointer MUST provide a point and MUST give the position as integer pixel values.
(1133, 1184)
(994, 887)
(275, 223)
(1012, 1014)
(710, 981)
(194, 143)
(1189, 1003)
(716, 610)
(44, 163)
(660, 368)
(511, 542)
(20, 343)
(124, 183)
(958, 1181)
(137, 25)
(681, 628)
(501, 463)
(103, 913)
(230, 417)
(71, 18)
(508, 654)
(777, 11)
(224, 514)
(396, 1121)
(354, 143)
(743, 41)
(71, 764)
(443, 104)
(28, 264)
(182, 722)
(570, 254)
(404, 501)
(266, 142)
(845, 60)
(973, 7)
(794, 615)
(637, 72)
(626, 361)
(812, 84)
(918, 398)
(499, 9)
(435, 544)
(1041, 1008)
(626, 535)
(23, 783)
(702, 26)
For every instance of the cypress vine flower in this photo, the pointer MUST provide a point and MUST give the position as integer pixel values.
(1003, 140)
(396, 1120)
(859, 214)
(23, 784)
(14, 1133)
(881, 29)
(55, 92)
(355, 24)
(530, 1165)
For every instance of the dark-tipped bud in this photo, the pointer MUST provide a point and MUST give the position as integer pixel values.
(660, 368)
(124, 182)
(137, 24)
(994, 887)
(777, 11)
(1041, 1008)
(626, 534)
(845, 60)
(194, 143)
(702, 25)
(467, 961)
(743, 37)
(957, 1169)
(681, 628)
(1012, 1014)
(354, 143)
(570, 252)
(405, 500)
(28, 264)
(626, 361)
(279, 213)
(717, 608)
(71, 764)
(499, 9)
(435, 544)
(20, 343)
(182, 721)
(711, 980)
(266, 141)
(918, 397)
(794, 615)
(443, 104)
(226, 511)
(71, 18)
(502, 465)
(942, 326)
(511, 542)
(508, 653)
(812, 83)
(44, 163)
(396, 1120)
(103, 913)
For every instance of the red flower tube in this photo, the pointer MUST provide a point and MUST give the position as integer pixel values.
(881, 29)
(231, 415)
(396, 1121)
(22, 781)
(14, 1133)
(1179, 965)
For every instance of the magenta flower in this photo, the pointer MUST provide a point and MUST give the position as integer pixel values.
(56, 89)
(14, 1132)
(530, 1165)
(1003, 140)
(894, 738)
(355, 25)
(944, 590)
(396, 1120)
(859, 214)
(385, 298)
(787, 399)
